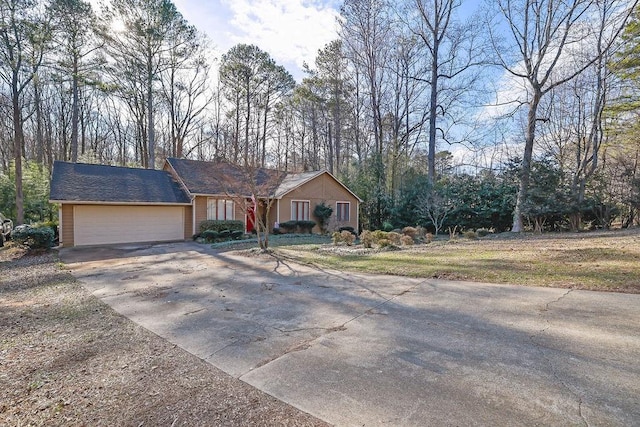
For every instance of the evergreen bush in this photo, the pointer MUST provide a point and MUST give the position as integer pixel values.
(323, 213)
(33, 237)
(219, 225)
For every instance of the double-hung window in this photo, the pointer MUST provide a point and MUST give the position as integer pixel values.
(300, 210)
(342, 211)
(220, 209)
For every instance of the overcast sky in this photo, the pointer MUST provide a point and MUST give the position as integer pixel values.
(291, 31)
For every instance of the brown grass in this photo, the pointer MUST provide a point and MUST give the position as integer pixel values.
(603, 261)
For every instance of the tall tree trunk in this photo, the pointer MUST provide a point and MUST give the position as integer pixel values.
(151, 164)
(74, 112)
(330, 146)
(433, 111)
(39, 133)
(525, 173)
(17, 149)
(246, 123)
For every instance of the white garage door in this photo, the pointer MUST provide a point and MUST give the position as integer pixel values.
(99, 225)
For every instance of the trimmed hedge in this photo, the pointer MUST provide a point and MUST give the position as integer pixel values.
(220, 225)
(32, 237)
(293, 226)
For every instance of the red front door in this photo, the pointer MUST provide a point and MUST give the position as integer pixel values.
(251, 219)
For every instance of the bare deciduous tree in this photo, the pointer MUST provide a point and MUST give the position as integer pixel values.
(542, 34)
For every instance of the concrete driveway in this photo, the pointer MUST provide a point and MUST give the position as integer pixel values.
(355, 349)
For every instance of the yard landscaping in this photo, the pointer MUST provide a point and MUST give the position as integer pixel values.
(68, 359)
(597, 260)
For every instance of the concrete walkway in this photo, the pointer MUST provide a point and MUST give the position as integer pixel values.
(355, 349)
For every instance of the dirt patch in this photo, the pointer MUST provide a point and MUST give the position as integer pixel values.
(68, 359)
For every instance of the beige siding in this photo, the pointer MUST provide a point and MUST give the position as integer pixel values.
(66, 233)
(188, 222)
(321, 189)
(200, 205)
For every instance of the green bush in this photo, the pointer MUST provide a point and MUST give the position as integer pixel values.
(323, 212)
(306, 226)
(210, 235)
(220, 225)
(33, 237)
(288, 226)
(387, 226)
(294, 226)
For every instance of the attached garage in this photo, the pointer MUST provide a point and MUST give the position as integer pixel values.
(106, 224)
(101, 205)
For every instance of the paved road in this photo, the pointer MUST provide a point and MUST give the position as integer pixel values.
(357, 349)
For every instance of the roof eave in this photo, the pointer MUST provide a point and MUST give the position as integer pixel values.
(102, 202)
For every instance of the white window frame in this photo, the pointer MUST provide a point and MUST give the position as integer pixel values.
(306, 217)
(339, 218)
(220, 209)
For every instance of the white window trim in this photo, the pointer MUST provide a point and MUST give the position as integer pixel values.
(308, 202)
(226, 200)
(349, 210)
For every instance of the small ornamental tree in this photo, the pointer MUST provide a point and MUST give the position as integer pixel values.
(252, 190)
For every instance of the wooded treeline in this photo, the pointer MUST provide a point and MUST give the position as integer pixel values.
(520, 114)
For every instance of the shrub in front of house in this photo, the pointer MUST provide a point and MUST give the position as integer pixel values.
(306, 226)
(394, 237)
(410, 231)
(336, 238)
(349, 229)
(385, 243)
(348, 237)
(366, 238)
(343, 237)
(288, 226)
(378, 235)
(406, 240)
(220, 225)
(323, 212)
(210, 235)
(33, 237)
(293, 226)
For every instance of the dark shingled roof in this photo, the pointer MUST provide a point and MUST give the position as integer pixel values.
(216, 178)
(99, 183)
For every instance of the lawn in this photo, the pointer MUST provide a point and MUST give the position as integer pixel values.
(603, 260)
